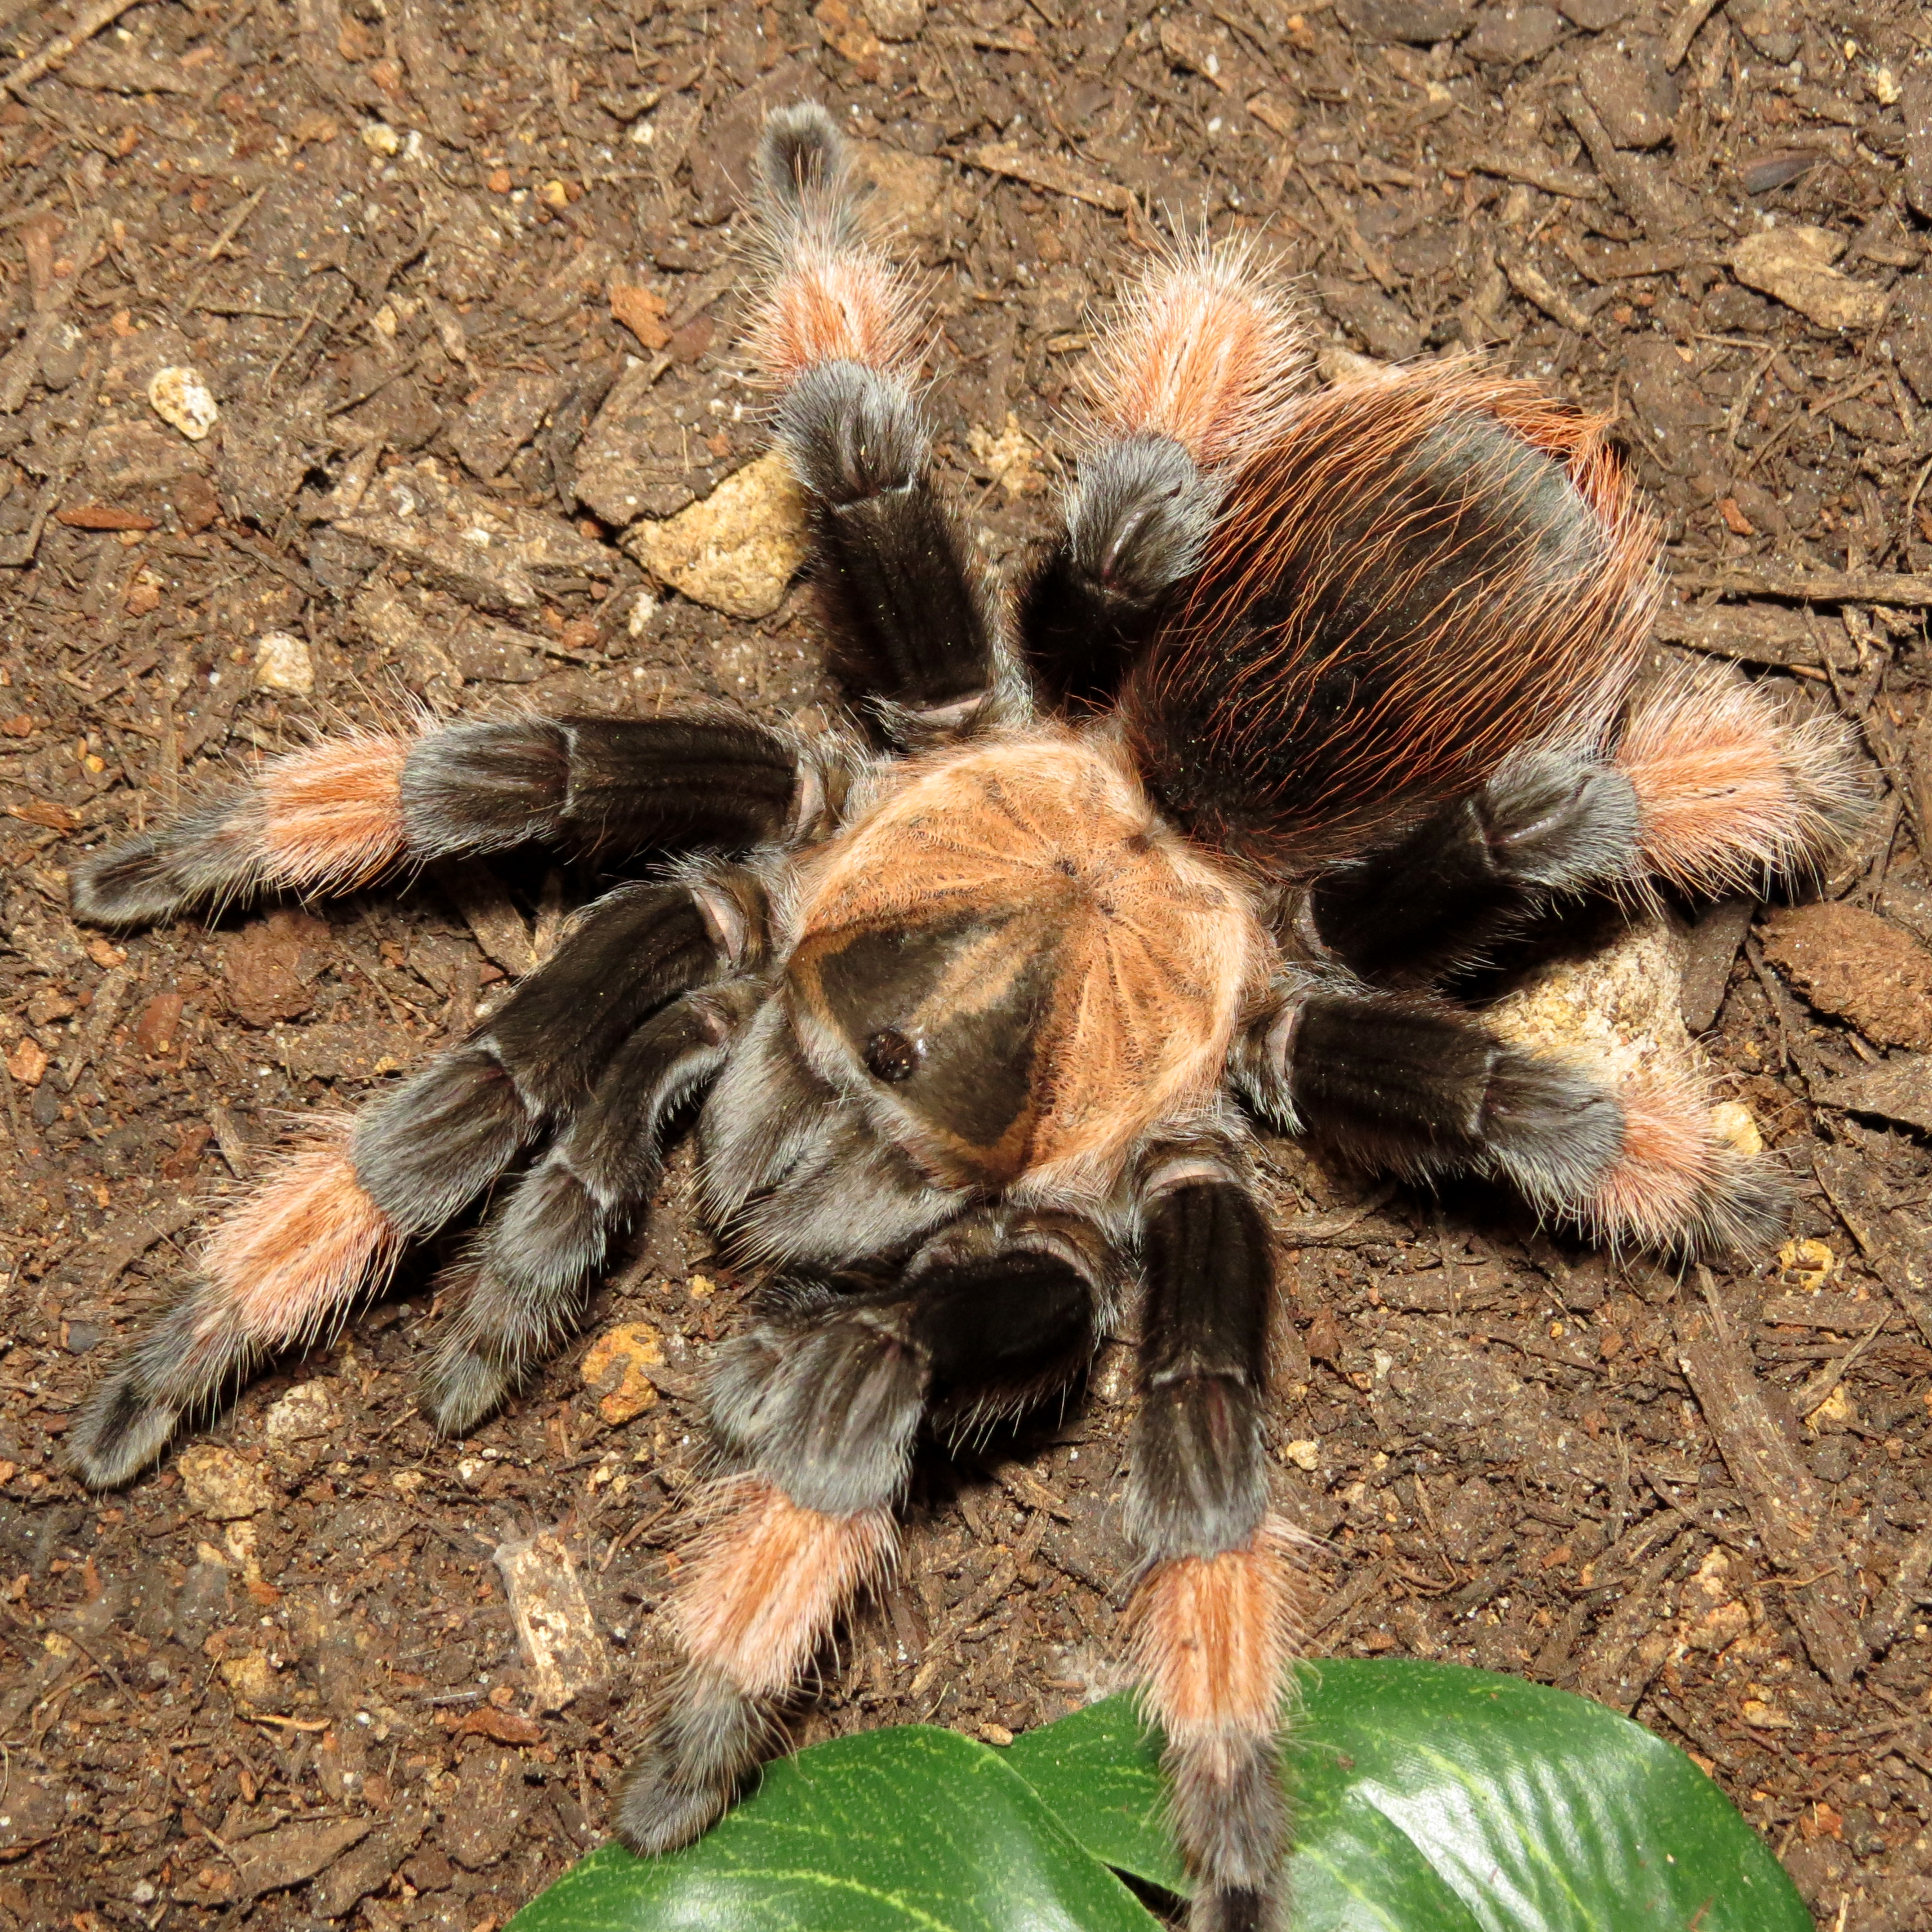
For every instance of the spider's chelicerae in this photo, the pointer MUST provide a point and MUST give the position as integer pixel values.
(1318, 696)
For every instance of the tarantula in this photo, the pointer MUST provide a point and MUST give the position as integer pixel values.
(1318, 696)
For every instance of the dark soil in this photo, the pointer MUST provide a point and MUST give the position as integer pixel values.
(385, 236)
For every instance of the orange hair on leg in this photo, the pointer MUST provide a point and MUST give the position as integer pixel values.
(1203, 351)
(1677, 1184)
(767, 1579)
(1212, 1637)
(293, 1252)
(1731, 792)
(332, 814)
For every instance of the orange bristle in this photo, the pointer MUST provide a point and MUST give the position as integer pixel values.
(1212, 1637)
(1731, 792)
(332, 815)
(1203, 351)
(834, 304)
(763, 1583)
(297, 1249)
(1676, 1184)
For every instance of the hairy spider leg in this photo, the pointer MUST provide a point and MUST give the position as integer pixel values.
(1195, 376)
(1217, 1616)
(338, 814)
(1405, 1081)
(1419, 577)
(1733, 792)
(290, 1257)
(1711, 788)
(837, 333)
(818, 1408)
(524, 1289)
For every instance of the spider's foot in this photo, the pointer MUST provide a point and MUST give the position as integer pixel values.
(1735, 792)
(1678, 1185)
(208, 854)
(1641, 1166)
(463, 1387)
(706, 1736)
(120, 1429)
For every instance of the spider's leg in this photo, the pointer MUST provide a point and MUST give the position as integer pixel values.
(838, 335)
(1216, 1616)
(1550, 822)
(1191, 378)
(525, 1288)
(342, 812)
(333, 1218)
(1712, 787)
(1733, 791)
(1413, 1084)
(817, 1409)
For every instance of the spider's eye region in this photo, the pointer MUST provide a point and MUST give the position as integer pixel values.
(891, 1056)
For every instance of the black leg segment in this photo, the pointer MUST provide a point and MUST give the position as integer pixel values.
(1548, 822)
(1136, 527)
(906, 620)
(541, 1252)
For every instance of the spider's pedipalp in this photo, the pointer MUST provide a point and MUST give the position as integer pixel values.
(339, 813)
(1194, 375)
(1216, 1618)
(1732, 792)
(836, 334)
(1206, 349)
(525, 1287)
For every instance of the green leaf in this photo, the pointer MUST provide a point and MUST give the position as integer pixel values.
(1430, 1798)
(913, 1830)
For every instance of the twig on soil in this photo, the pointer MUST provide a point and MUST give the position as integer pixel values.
(1902, 588)
(1782, 1494)
(1683, 31)
(102, 14)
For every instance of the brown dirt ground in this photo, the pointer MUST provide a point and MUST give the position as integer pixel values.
(385, 235)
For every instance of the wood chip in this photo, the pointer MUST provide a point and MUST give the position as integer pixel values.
(1534, 286)
(1049, 172)
(1792, 1516)
(484, 902)
(1536, 171)
(1816, 586)
(560, 1640)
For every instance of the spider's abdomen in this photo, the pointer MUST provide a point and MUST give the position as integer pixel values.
(1019, 965)
(1419, 575)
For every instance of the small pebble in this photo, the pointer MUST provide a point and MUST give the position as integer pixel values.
(180, 396)
(282, 663)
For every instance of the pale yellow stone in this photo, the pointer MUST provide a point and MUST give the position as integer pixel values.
(1012, 455)
(250, 1679)
(1793, 265)
(180, 396)
(282, 662)
(1303, 1453)
(223, 1486)
(1731, 1121)
(1808, 1264)
(616, 1363)
(738, 549)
